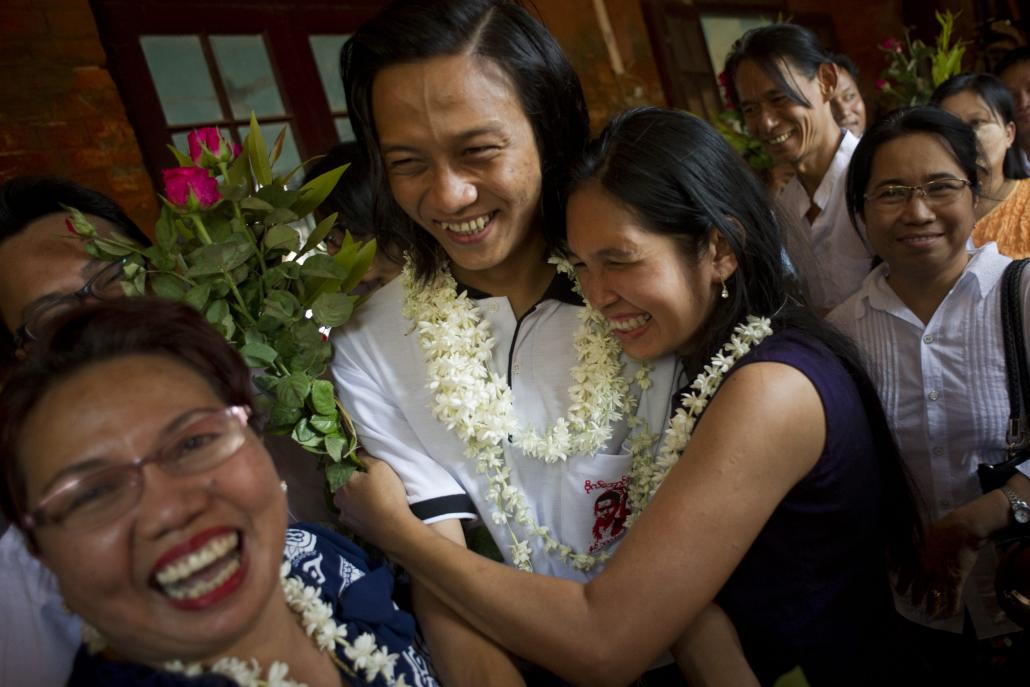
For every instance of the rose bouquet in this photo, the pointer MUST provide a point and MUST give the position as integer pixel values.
(226, 244)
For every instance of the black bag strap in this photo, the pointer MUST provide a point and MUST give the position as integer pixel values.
(1018, 435)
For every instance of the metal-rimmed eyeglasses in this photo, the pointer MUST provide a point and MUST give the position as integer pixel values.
(104, 285)
(82, 502)
(936, 192)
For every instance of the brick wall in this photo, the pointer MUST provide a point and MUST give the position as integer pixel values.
(60, 112)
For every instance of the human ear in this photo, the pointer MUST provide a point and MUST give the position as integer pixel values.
(827, 78)
(723, 258)
(1010, 134)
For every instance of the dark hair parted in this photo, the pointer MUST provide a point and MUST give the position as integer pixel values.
(497, 30)
(23, 200)
(683, 180)
(992, 91)
(768, 47)
(103, 331)
(956, 135)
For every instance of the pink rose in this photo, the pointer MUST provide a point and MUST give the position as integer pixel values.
(191, 188)
(892, 45)
(208, 148)
(882, 85)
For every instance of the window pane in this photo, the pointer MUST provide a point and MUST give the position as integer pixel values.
(344, 129)
(722, 30)
(327, 56)
(180, 143)
(248, 76)
(182, 78)
(289, 158)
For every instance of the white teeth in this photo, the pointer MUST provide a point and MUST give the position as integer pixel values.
(780, 139)
(630, 324)
(205, 586)
(198, 560)
(467, 227)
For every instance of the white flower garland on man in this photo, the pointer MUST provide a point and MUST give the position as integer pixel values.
(476, 403)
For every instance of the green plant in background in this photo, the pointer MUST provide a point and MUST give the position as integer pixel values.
(225, 245)
(914, 69)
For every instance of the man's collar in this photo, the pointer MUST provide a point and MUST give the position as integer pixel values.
(560, 289)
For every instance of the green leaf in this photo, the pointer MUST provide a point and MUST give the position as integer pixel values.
(282, 237)
(304, 434)
(323, 397)
(365, 255)
(334, 445)
(115, 247)
(293, 389)
(320, 231)
(234, 192)
(333, 309)
(337, 475)
(281, 305)
(277, 147)
(311, 194)
(182, 158)
(168, 286)
(794, 678)
(164, 230)
(277, 195)
(324, 424)
(258, 153)
(258, 354)
(218, 314)
(281, 216)
(197, 296)
(322, 266)
(239, 170)
(282, 419)
(253, 203)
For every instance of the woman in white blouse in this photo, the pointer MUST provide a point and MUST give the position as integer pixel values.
(929, 321)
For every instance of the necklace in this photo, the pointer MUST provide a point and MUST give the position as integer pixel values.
(476, 403)
(316, 617)
(647, 473)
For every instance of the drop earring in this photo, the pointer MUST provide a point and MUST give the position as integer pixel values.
(283, 486)
(725, 292)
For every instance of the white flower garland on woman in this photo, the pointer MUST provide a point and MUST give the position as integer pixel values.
(316, 617)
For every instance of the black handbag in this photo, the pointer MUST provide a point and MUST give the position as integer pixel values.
(1012, 579)
(1017, 437)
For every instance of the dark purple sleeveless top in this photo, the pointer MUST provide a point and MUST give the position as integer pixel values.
(813, 590)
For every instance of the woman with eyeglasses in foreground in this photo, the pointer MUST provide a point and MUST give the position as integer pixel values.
(130, 464)
(1003, 211)
(929, 321)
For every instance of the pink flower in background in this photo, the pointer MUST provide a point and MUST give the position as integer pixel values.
(191, 188)
(892, 45)
(882, 85)
(208, 148)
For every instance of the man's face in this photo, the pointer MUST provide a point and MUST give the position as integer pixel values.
(42, 261)
(1017, 79)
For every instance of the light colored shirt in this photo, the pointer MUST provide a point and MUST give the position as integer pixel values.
(830, 255)
(380, 374)
(943, 389)
(38, 637)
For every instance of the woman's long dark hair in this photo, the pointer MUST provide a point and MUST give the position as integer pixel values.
(767, 47)
(682, 179)
(992, 91)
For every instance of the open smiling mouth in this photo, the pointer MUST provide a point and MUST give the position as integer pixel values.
(471, 227)
(629, 324)
(777, 140)
(204, 575)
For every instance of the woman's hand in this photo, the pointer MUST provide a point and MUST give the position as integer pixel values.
(373, 504)
(949, 553)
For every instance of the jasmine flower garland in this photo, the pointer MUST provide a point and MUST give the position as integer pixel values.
(647, 473)
(476, 403)
(316, 617)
